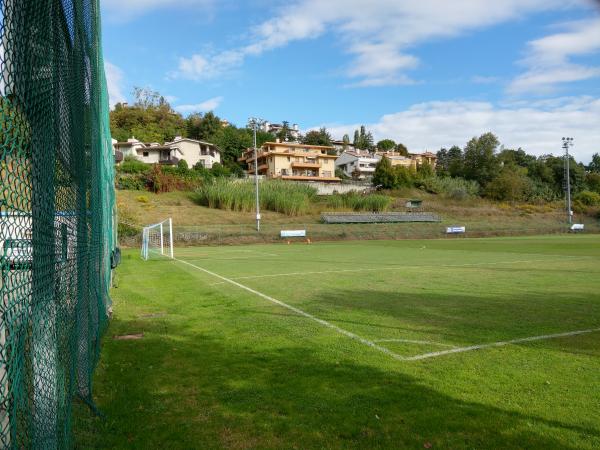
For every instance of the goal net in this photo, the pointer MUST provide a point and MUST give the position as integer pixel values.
(157, 240)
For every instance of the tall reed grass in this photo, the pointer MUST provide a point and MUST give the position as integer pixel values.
(358, 202)
(287, 198)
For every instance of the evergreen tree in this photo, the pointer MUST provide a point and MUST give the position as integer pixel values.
(384, 175)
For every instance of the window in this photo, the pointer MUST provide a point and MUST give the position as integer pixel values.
(145, 154)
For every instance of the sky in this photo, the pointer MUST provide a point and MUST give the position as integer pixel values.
(429, 74)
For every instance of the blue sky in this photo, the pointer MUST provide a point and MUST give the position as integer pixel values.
(429, 74)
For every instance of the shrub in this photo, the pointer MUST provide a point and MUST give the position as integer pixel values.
(288, 198)
(132, 165)
(219, 170)
(511, 184)
(182, 166)
(131, 182)
(588, 198)
(358, 202)
(456, 188)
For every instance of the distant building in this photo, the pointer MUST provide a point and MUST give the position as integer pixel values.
(292, 161)
(194, 151)
(275, 128)
(341, 146)
(358, 164)
(190, 150)
(412, 161)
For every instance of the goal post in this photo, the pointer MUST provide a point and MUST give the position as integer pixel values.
(157, 240)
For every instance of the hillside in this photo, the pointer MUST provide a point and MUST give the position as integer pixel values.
(196, 224)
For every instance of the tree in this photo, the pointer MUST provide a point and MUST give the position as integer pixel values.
(480, 161)
(425, 171)
(594, 166)
(203, 127)
(346, 141)
(592, 180)
(320, 137)
(384, 175)
(386, 144)
(356, 141)
(516, 157)
(511, 184)
(285, 134)
(401, 148)
(403, 177)
(363, 140)
(150, 119)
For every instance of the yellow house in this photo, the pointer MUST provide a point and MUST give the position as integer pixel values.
(412, 161)
(292, 161)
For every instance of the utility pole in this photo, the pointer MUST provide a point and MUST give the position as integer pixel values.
(568, 142)
(254, 123)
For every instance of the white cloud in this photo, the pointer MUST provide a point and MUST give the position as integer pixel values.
(114, 82)
(207, 105)
(199, 67)
(537, 127)
(125, 10)
(378, 34)
(549, 59)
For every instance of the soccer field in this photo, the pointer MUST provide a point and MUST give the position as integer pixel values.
(458, 343)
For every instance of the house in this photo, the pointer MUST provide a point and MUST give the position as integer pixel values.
(292, 161)
(194, 151)
(357, 164)
(425, 158)
(275, 128)
(412, 161)
(341, 146)
(190, 150)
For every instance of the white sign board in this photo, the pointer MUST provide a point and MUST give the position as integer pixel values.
(454, 230)
(577, 227)
(293, 233)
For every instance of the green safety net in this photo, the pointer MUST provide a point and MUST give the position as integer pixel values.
(57, 232)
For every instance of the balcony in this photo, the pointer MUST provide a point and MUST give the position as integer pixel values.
(306, 165)
(261, 168)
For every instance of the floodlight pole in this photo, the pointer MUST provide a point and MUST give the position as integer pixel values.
(255, 123)
(568, 142)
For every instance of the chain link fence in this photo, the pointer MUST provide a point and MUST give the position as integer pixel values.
(56, 215)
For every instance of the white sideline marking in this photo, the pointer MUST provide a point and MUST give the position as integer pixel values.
(390, 268)
(375, 346)
(498, 344)
(301, 313)
(413, 341)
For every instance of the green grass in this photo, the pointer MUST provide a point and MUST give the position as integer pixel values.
(220, 367)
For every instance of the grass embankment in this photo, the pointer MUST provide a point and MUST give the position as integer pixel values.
(220, 367)
(199, 224)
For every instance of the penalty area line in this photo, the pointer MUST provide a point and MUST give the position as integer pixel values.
(300, 312)
(498, 344)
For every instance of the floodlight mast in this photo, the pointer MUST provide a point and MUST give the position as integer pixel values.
(568, 142)
(254, 123)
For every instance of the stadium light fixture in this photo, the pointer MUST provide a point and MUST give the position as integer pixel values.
(255, 123)
(568, 142)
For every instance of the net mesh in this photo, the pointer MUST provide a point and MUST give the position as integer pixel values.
(157, 240)
(56, 215)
